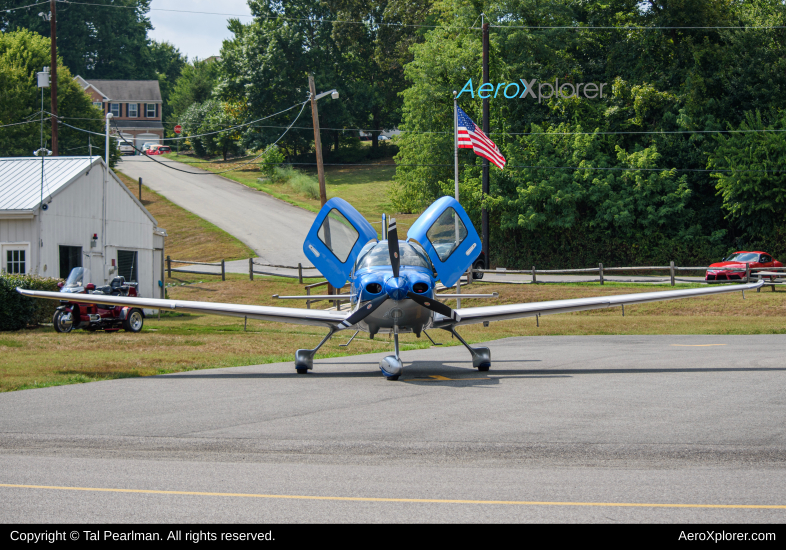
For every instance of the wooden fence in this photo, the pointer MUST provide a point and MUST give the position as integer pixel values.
(298, 270)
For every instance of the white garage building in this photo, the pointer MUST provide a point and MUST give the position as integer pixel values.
(68, 212)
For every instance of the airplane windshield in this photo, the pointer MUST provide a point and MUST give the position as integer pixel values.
(380, 256)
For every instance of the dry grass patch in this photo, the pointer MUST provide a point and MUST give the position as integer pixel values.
(190, 237)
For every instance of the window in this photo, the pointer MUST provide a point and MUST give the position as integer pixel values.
(99, 104)
(150, 110)
(133, 110)
(338, 235)
(70, 257)
(114, 108)
(15, 260)
(447, 233)
(127, 267)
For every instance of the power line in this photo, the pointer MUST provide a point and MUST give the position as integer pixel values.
(303, 105)
(533, 27)
(587, 28)
(18, 123)
(274, 17)
(589, 168)
(9, 10)
(500, 133)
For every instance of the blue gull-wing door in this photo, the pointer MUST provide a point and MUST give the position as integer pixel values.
(448, 236)
(334, 241)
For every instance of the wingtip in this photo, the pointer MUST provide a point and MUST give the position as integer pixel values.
(22, 291)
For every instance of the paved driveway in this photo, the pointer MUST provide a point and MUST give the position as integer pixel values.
(274, 229)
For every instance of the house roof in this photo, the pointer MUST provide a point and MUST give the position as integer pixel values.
(20, 179)
(138, 124)
(128, 90)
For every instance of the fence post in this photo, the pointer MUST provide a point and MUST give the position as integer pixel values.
(140, 189)
(534, 277)
(223, 271)
(747, 272)
(671, 272)
(600, 272)
(251, 269)
(308, 302)
(169, 267)
(300, 273)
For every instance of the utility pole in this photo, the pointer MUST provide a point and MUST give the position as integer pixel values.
(485, 177)
(317, 141)
(53, 72)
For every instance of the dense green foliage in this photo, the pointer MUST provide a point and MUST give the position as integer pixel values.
(17, 311)
(94, 41)
(618, 179)
(213, 118)
(22, 55)
(194, 85)
(265, 66)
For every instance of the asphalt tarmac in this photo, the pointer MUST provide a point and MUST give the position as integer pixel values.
(562, 429)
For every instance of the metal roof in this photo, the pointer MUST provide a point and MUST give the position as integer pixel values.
(20, 179)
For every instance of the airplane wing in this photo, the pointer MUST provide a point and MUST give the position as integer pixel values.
(297, 316)
(472, 315)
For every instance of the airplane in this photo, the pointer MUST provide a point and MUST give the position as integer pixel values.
(393, 283)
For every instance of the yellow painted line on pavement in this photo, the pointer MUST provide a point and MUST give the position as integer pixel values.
(407, 500)
(440, 378)
(696, 345)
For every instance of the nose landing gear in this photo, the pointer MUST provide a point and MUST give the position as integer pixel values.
(391, 366)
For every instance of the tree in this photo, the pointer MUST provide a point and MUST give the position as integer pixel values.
(103, 39)
(266, 64)
(23, 54)
(194, 85)
(168, 63)
(622, 179)
(214, 118)
(753, 183)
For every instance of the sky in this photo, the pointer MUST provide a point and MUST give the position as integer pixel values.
(195, 35)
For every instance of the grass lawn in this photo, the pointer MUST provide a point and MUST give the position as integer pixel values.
(189, 236)
(365, 186)
(180, 342)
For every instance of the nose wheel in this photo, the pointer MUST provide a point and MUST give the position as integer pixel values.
(391, 366)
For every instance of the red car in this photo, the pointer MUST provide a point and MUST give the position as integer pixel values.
(733, 267)
(158, 150)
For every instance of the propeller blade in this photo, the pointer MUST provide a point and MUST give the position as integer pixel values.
(434, 305)
(395, 259)
(361, 313)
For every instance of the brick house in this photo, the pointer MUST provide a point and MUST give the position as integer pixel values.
(135, 106)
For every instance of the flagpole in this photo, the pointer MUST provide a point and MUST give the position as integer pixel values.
(455, 171)
(455, 141)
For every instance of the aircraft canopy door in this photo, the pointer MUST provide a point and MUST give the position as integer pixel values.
(335, 239)
(448, 236)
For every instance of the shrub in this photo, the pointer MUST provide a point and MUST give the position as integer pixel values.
(271, 160)
(303, 183)
(17, 311)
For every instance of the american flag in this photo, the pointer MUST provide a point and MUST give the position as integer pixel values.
(471, 137)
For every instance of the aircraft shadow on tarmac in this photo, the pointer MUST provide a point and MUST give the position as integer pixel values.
(429, 371)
